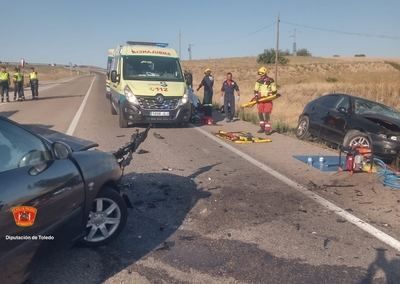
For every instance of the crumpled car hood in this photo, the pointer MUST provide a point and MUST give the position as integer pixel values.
(76, 144)
(389, 123)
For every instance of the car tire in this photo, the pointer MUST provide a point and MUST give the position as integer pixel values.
(303, 128)
(97, 226)
(355, 137)
(113, 111)
(123, 122)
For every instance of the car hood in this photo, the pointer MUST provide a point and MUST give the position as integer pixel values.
(152, 88)
(389, 123)
(76, 144)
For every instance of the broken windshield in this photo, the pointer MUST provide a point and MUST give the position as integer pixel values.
(365, 107)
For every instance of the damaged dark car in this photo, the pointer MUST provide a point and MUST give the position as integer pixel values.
(347, 120)
(56, 187)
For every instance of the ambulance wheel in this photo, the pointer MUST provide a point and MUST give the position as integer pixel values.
(113, 111)
(303, 128)
(123, 122)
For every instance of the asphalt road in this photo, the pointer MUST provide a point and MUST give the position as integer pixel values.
(203, 214)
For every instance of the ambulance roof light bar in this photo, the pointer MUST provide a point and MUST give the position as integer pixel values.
(159, 44)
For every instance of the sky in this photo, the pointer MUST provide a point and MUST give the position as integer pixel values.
(80, 32)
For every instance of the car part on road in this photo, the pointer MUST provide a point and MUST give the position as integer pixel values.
(106, 219)
(241, 137)
(124, 154)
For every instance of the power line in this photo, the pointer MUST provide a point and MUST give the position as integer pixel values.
(343, 32)
(234, 39)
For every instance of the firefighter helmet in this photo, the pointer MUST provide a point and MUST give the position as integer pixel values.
(263, 71)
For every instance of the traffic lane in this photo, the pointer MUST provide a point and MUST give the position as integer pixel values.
(196, 203)
(212, 218)
(55, 108)
(363, 194)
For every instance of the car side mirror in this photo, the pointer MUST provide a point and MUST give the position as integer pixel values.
(114, 76)
(342, 110)
(61, 150)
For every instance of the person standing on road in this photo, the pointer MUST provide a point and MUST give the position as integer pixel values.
(18, 79)
(228, 92)
(208, 84)
(34, 82)
(265, 86)
(4, 83)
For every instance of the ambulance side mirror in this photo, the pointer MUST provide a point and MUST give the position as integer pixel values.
(114, 76)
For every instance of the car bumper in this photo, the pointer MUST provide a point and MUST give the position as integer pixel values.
(136, 114)
(385, 148)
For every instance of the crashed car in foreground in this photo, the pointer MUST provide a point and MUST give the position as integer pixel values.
(348, 120)
(56, 187)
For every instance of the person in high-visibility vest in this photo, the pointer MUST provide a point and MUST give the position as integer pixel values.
(208, 84)
(264, 87)
(18, 79)
(34, 81)
(4, 83)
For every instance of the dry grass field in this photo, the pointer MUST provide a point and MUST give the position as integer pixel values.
(306, 78)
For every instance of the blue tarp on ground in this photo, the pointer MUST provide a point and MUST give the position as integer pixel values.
(330, 164)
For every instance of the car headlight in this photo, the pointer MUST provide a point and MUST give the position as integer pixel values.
(130, 96)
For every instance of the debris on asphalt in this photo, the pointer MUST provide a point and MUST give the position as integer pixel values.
(187, 238)
(340, 220)
(314, 233)
(338, 185)
(302, 209)
(158, 136)
(167, 169)
(229, 235)
(366, 202)
(349, 210)
(142, 151)
(209, 178)
(359, 193)
(166, 246)
(119, 136)
(326, 242)
(298, 227)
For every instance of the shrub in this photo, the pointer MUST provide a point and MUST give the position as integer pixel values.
(268, 57)
(303, 52)
(331, 80)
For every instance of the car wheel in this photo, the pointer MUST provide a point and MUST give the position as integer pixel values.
(113, 111)
(303, 128)
(356, 138)
(106, 219)
(123, 123)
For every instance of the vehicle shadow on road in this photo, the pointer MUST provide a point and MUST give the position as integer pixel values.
(161, 202)
(390, 268)
(8, 113)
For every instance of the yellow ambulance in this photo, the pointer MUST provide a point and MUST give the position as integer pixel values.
(147, 85)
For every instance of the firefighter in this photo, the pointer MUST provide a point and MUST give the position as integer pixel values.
(4, 83)
(208, 84)
(264, 87)
(34, 82)
(18, 79)
(228, 92)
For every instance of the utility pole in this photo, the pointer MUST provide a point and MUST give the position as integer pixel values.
(294, 43)
(277, 50)
(190, 51)
(180, 44)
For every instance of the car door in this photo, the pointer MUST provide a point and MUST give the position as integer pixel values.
(30, 176)
(320, 112)
(337, 119)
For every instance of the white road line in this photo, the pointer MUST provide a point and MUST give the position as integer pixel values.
(74, 122)
(385, 238)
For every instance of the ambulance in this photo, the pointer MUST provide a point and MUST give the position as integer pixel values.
(110, 56)
(148, 85)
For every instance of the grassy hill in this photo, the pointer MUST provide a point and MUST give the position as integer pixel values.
(306, 78)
